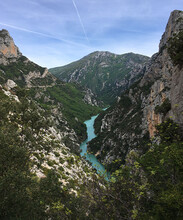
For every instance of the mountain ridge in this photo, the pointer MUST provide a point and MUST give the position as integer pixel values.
(105, 73)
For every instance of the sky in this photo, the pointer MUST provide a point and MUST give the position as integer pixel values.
(56, 32)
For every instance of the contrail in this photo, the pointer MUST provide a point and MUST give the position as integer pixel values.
(81, 22)
(42, 34)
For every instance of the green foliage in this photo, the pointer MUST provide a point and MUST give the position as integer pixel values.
(125, 102)
(150, 186)
(169, 131)
(164, 108)
(61, 160)
(57, 154)
(175, 48)
(147, 187)
(17, 183)
(51, 163)
(163, 165)
(70, 97)
(17, 70)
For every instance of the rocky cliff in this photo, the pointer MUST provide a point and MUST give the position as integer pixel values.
(104, 73)
(129, 123)
(9, 52)
(18, 67)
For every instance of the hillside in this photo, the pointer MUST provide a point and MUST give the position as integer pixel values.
(41, 127)
(68, 100)
(105, 73)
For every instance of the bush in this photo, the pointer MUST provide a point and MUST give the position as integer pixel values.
(57, 154)
(61, 160)
(51, 163)
(175, 48)
(164, 108)
(169, 131)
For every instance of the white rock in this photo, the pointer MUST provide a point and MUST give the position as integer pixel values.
(10, 84)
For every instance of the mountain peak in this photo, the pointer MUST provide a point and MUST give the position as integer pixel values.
(9, 52)
(174, 25)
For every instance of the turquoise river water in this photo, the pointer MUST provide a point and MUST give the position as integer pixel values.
(90, 157)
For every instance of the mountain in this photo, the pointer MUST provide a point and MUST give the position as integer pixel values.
(41, 128)
(104, 73)
(66, 101)
(131, 122)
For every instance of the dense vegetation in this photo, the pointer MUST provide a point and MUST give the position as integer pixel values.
(147, 187)
(51, 93)
(175, 48)
(70, 99)
(23, 135)
(17, 71)
(164, 107)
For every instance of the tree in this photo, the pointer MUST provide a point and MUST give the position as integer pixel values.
(175, 48)
(163, 166)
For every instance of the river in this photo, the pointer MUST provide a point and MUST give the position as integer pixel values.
(90, 157)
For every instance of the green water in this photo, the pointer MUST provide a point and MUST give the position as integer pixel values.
(90, 157)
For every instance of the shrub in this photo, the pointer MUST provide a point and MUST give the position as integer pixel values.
(51, 163)
(175, 48)
(57, 154)
(61, 160)
(164, 108)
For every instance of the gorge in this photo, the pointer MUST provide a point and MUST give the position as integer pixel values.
(45, 121)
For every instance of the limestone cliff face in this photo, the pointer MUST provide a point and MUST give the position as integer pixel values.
(22, 69)
(91, 99)
(133, 119)
(174, 25)
(9, 52)
(166, 80)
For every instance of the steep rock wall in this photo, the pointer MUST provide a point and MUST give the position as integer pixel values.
(9, 52)
(133, 119)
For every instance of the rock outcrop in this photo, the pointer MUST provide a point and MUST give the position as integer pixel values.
(166, 79)
(9, 52)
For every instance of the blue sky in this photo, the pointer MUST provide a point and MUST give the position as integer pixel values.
(56, 32)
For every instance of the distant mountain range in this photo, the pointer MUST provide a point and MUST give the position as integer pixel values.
(104, 73)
